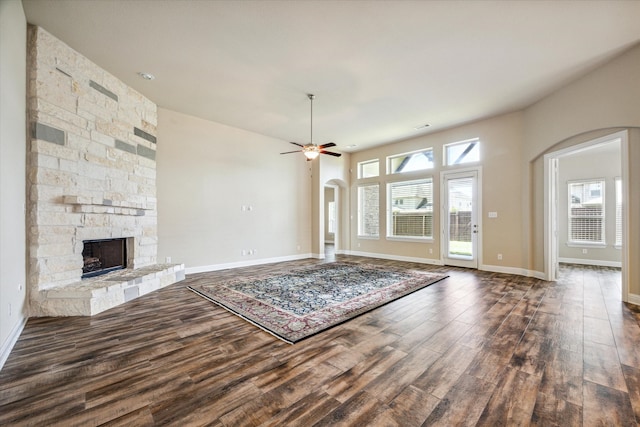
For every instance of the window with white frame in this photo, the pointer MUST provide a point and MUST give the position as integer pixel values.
(618, 242)
(331, 214)
(368, 210)
(411, 209)
(368, 169)
(410, 162)
(586, 212)
(462, 152)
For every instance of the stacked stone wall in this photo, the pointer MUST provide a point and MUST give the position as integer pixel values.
(91, 163)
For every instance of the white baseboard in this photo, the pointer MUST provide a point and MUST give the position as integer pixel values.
(633, 299)
(492, 268)
(11, 340)
(226, 266)
(395, 257)
(513, 270)
(596, 262)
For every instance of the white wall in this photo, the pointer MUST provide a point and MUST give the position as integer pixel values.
(13, 60)
(207, 172)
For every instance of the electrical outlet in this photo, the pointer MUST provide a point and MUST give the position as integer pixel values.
(499, 257)
(243, 252)
(168, 260)
(430, 250)
(584, 251)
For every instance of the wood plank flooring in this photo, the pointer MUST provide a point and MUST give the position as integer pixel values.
(477, 348)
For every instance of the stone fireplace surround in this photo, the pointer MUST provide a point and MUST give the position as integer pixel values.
(91, 174)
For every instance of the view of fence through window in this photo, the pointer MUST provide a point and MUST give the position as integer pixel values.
(412, 208)
(460, 227)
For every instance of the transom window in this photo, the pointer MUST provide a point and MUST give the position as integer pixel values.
(411, 208)
(410, 162)
(586, 212)
(462, 152)
(368, 210)
(369, 169)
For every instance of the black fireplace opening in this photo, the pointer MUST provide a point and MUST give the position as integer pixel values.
(103, 256)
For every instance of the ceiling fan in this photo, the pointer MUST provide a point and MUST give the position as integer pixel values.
(311, 150)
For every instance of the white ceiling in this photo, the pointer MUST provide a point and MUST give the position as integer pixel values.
(378, 68)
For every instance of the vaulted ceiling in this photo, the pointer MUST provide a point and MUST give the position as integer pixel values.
(379, 69)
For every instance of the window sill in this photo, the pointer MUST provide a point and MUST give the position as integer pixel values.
(369, 237)
(410, 239)
(586, 245)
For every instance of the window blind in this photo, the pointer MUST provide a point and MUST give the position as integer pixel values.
(411, 206)
(586, 212)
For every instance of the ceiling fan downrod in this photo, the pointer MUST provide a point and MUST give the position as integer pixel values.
(311, 98)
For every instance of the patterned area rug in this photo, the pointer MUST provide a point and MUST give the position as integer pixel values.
(301, 303)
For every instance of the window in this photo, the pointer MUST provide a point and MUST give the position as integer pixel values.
(462, 152)
(618, 242)
(368, 169)
(409, 162)
(411, 207)
(331, 208)
(586, 212)
(368, 210)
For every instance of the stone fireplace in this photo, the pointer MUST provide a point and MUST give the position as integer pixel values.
(103, 256)
(91, 179)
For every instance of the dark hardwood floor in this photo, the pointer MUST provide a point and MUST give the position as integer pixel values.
(477, 348)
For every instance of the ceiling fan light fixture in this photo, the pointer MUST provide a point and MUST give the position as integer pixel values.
(311, 152)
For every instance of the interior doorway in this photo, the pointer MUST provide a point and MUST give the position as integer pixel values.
(561, 202)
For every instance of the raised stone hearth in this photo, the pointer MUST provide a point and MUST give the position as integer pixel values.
(91, 177)
(97, 294)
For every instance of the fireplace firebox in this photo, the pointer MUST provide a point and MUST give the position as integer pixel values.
(103, 256)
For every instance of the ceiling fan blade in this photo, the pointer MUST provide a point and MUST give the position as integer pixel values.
(288, 152)
(327, 145)
(295, 143)
(330, 153)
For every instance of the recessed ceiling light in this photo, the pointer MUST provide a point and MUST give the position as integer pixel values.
(422, 126)
(147, 76)
(352, 146)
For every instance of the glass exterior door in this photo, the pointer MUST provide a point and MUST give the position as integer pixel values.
(460, 220)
